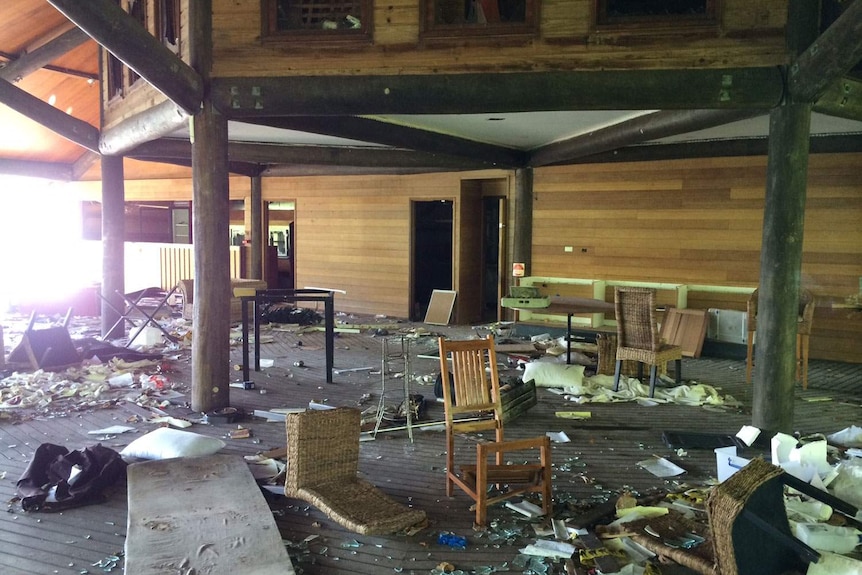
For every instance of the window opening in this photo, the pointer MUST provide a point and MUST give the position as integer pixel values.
(480, 17)
(634, 11)
(168, 23)
(285, 19)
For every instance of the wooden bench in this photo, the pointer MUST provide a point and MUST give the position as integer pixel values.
(200, 515)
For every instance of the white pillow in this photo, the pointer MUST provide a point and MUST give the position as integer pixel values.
(166, 443)
(547, 374)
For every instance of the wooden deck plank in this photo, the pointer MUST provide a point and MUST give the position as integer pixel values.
(598, 463)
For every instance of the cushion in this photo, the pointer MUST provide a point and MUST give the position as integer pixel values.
(546, 374)
(166, 443)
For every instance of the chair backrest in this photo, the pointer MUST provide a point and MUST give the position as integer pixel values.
(807, 303)
(637, 326)
(474, 380)
(322, 446)
(751, 309)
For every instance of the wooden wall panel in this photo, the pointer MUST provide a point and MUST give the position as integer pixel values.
(699, 222)
(568, 39)
(353, 234)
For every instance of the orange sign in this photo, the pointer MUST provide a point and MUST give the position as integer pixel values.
(518, 270)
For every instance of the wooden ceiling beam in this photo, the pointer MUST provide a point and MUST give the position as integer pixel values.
(125, 38)
(276, 154)
(40, 57)
(48, 170)
(390, 134)
(717, 149)
(489, 93)
(151, 124)
(829, 57)
(641, 129)
(285, 170)
(842, 98)
(69, 127)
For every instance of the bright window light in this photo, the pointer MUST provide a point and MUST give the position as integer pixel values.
(43, 257)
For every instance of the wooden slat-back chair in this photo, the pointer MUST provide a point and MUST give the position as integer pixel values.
(638, 336)
(473, 379)
(805, 320)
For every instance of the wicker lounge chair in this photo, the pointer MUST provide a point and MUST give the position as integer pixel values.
(322, 463)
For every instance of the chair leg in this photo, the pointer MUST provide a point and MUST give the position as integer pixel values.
(802, 345)
(749, 358)
(653, 372)
(617, 370)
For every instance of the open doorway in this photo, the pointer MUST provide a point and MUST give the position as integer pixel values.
(281, 239)
(432, 252)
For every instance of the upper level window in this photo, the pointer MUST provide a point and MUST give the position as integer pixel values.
(120, 78)
(480, 17)
(168, 23)
(317, 19)
(656, 11)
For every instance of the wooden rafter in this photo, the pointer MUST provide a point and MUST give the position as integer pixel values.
(123, 36)
(29, 62)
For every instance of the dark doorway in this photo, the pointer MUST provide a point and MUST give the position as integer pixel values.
(493, 218)
(432, 252)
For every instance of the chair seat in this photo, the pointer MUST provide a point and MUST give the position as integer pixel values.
(359, 506)
(664, 353)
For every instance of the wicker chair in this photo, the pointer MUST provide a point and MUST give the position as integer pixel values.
(475, 383)
(807, 303)
(638, 337)
(322, 465)
(748, 532)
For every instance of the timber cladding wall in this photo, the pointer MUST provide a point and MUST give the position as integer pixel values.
(354, 234)
(699, 222)
(749, 34)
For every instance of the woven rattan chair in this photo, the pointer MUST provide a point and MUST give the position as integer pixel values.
(748, 532)
(322, 465)
(475, 383)
(807, 303)
(638, 336)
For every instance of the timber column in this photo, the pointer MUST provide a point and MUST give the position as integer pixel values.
(210, 216)
(113, 245)
(523, 236)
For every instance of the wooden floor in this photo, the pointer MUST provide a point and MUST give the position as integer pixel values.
(597, 465)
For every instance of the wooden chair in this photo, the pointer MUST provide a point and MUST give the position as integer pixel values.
(807, 303)
(322, 466)
(475, 384)
(638, 337)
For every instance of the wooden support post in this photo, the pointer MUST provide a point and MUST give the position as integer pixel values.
(256, 230)
(781, 249)
(210, 217)
(113, 245)
(522, 241)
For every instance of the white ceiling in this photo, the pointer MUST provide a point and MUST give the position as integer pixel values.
(528, 130)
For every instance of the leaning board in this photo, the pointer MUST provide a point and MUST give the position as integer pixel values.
(685, 328)
(200, 515)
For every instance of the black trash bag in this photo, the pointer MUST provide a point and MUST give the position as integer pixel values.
(438, 387)
(50, 472)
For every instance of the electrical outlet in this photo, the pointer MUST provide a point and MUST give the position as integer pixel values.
(568, 249)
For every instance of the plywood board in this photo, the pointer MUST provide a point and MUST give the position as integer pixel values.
(440, 307)
(685, 328)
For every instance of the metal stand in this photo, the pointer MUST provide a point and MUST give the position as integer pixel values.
(395, 359)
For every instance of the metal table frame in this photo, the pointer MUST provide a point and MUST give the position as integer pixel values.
(287, 295)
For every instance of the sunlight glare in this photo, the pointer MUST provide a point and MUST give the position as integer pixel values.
(42, 255)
